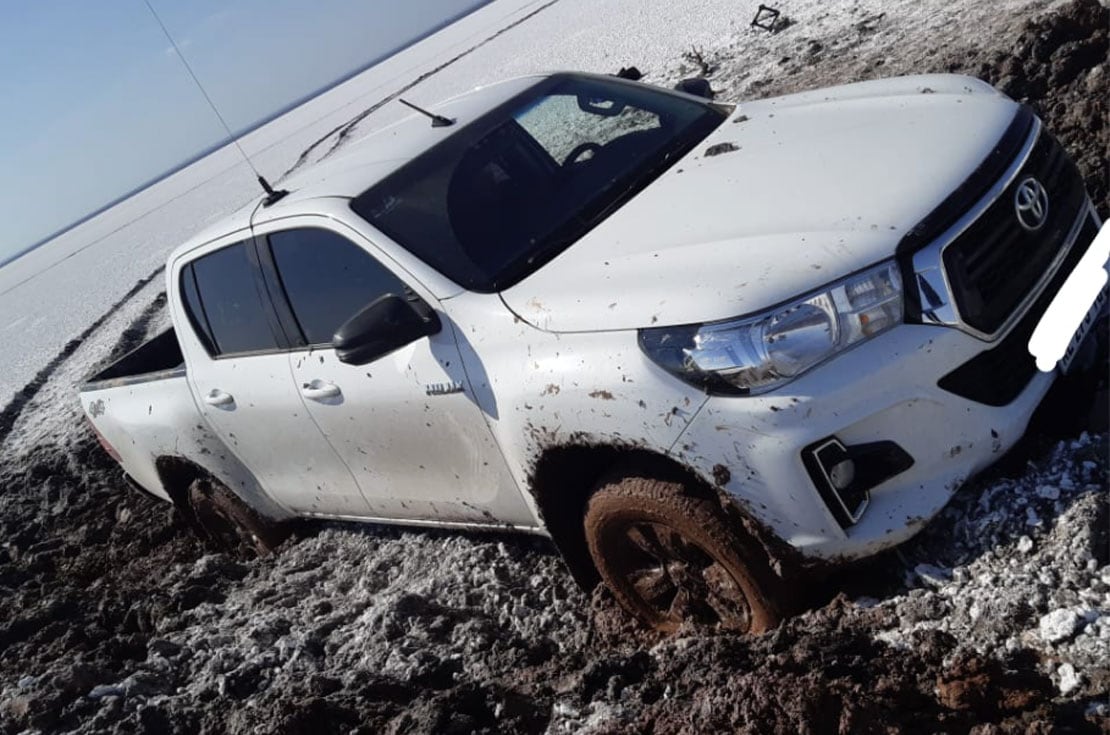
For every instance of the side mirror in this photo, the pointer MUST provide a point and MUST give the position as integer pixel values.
(390, 322)
(697, 86)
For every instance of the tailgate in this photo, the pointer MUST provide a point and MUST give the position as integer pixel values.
(142, 421)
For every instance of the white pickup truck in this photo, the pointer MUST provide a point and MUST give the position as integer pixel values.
(703, 347)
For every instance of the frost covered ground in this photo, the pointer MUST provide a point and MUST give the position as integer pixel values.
(996, 618)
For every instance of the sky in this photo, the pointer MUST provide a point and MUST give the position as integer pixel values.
(96, 102)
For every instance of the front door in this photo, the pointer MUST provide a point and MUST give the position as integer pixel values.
(243, 387)
(406, 424)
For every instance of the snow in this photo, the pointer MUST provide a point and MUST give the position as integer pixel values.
(990, 589)
(932, 575)
(1069, 679)
(1012, 565)
(1058, 625)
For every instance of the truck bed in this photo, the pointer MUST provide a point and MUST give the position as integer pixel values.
(155, 359)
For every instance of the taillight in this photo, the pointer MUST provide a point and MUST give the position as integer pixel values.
(104, 442)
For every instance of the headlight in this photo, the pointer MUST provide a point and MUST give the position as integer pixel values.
(759, 353)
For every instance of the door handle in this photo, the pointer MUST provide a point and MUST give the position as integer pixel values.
(318, 390)
(217, 397)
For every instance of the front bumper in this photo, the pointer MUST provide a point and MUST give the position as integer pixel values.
(883, 391)
(886, 390)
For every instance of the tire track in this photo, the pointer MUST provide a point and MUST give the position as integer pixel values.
(14, 408)
(135, 333)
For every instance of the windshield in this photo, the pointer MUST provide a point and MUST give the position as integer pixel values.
(507, 193)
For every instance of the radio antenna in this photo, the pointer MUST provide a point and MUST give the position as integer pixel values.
(438, 121)
(272, 195)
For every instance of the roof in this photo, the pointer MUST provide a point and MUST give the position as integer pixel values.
(368, 160)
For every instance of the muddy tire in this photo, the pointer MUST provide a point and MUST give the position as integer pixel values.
(669, 558)
(229, 525)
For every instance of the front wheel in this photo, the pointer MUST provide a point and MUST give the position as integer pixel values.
(229, 525)
(669, 558)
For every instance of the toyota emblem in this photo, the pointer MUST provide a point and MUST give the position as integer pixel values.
(1031, 204)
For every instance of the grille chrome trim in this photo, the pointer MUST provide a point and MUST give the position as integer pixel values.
(1002, 371)
(1086, 210)
(935, 293)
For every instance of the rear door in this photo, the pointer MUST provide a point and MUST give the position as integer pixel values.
(243, 388)
(407, 424)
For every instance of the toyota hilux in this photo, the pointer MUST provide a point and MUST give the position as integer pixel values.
(705, 348)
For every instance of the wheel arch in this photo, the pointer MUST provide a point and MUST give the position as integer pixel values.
(176, 473)
(179, 475)
(565, 476)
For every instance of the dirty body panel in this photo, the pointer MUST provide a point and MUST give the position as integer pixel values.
(150, 421)
(541, 391)
(871, 396)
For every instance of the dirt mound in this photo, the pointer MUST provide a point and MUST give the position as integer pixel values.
(117, 621)
(817, 676)
(83, 573)
(1060, 65)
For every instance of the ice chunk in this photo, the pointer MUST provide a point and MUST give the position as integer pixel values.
(931, 575)
(1058, 625)
(1069, 678)
(106, 690)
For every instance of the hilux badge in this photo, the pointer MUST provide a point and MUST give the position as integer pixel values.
(443, 389)
(1031, 204)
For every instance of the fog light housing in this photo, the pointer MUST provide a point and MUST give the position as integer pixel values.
(844, 475)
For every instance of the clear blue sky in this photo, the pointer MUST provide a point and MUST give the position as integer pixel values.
(94, 101)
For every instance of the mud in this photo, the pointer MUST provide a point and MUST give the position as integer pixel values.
(117, 620)
(719, 148)
(81, 578)
(113, 618)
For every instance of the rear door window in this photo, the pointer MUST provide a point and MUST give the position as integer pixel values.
(327, 279)
(224, 303)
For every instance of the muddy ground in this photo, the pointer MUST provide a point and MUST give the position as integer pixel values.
(995, 619)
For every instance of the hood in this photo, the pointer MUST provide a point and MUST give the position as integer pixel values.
(787, 195)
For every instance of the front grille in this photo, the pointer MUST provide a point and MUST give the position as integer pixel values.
(997, 376)
(994, 264)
